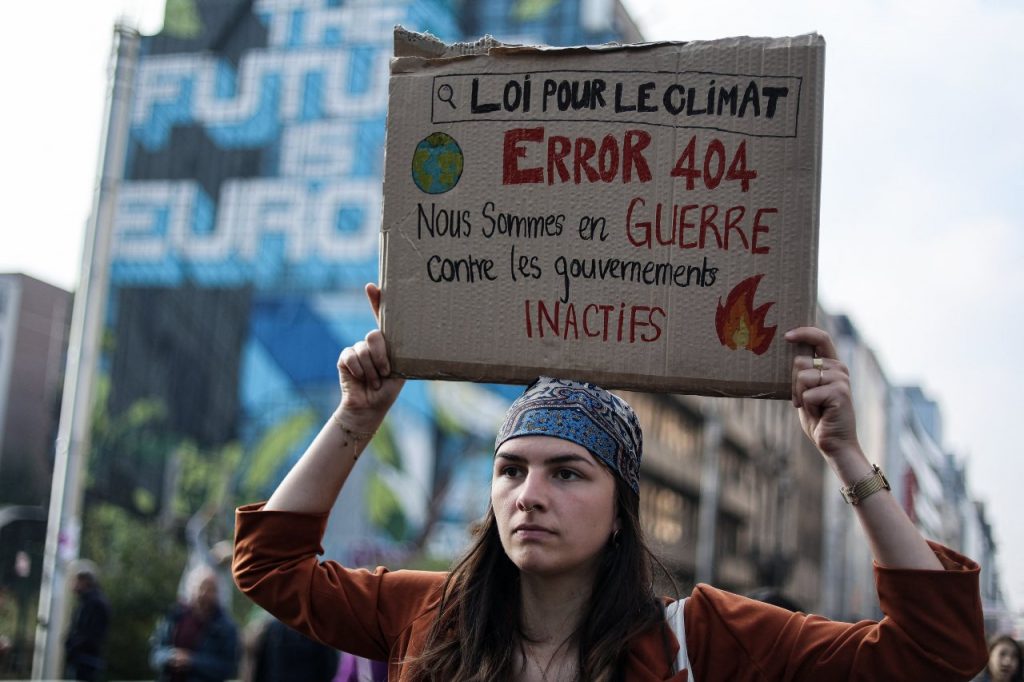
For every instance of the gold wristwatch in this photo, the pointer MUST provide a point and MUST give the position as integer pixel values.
(866, 487)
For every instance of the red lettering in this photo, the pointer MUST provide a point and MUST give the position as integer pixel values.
(633, 147)
(644, 226)
(635, 322)
(708, 213)
(586, 318)
(644, 229)
(686, 164)
(657, 327)
(589, 163)
(608, 158)
(558, 148)
(759, 228)
(738, 168)
(607, 309)
(585, 151)
(544, 315)
(570, 321)
(513, 150)
(663, 241)
(712, 178)
(714, 165)
(684, 226)
(732, 223)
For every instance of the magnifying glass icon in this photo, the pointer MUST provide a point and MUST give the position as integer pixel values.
(445, 93)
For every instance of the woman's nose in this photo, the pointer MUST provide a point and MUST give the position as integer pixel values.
(532, 493)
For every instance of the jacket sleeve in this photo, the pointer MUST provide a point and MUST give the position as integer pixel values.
(359, 611)
(932, 630)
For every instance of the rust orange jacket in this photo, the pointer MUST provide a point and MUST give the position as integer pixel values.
(932, 629)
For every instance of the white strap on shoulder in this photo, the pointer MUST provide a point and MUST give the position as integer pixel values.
(677, 621)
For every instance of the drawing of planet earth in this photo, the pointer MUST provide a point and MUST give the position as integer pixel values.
(437, 163)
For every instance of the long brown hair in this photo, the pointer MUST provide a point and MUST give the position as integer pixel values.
(478, 622)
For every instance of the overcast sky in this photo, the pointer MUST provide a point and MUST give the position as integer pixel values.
(922, 191)
(922, 216)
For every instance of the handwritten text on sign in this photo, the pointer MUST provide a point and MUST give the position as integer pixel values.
(592, 208)
(697, 227)
(717, 101)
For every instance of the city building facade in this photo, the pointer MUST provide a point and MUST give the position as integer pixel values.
(245, 223)
(731, 493)
(900, 429)
(34, 320)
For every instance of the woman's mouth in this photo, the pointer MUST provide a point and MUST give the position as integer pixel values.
(531, 531)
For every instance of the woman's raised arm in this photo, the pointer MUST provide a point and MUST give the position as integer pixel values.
(367, 392)
(821, 394)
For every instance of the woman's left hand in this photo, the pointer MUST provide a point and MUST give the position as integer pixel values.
(821, 393)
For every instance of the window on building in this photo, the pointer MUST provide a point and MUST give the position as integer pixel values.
(728, 535)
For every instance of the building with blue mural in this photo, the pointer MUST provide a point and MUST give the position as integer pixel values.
(246, 221)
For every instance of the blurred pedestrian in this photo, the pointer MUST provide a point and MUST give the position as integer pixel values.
(280, 654)
(1004, 661)
(197, 641)
(200, 530)
(90, 621)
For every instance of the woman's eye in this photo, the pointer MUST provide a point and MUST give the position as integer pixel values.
(567, 475)
(510, 471)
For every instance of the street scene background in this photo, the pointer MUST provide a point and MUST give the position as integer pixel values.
(251, 125)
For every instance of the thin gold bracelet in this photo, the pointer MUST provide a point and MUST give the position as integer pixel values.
(356, 436)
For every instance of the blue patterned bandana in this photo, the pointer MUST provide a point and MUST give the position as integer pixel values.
(581, 413)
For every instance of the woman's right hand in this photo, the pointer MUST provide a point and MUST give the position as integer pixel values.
(368, 388)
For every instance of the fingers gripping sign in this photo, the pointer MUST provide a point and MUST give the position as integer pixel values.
(367, 386)
(821, 392)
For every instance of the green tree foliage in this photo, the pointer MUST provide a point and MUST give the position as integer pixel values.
(139, 573)
(385, 509)
(268, 455)
(145, 482)
(532, 10)
(182, 20)
(128, 456)
(205, 479)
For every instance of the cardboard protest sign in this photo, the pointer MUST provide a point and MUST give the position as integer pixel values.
(639, 216)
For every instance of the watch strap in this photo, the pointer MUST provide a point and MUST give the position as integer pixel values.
(866, 487)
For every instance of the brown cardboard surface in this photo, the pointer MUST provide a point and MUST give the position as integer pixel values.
(641, 216)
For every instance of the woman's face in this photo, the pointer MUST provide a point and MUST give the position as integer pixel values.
(1003, 662)
(571, 498)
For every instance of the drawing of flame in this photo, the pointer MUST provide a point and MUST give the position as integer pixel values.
(739, 323)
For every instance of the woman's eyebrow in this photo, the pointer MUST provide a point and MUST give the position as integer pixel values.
(555, 460)
(569, 459)
(510, 457)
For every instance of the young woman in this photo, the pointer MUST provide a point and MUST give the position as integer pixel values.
(1004, 661)
(557, 585)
